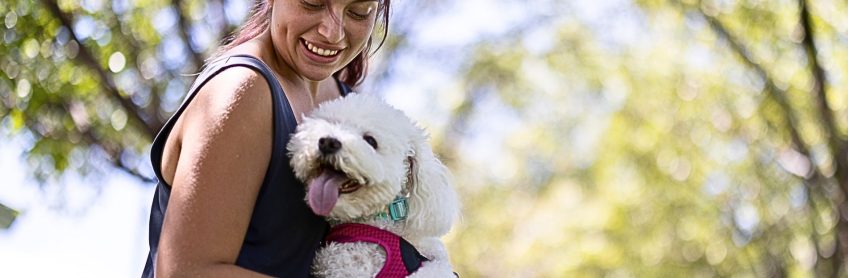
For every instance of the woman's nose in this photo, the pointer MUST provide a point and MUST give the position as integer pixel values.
(332, 28)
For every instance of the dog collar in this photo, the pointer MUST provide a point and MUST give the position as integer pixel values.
(398, 209)
(395, 211)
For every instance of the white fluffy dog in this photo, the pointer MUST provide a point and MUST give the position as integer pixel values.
(366, 162)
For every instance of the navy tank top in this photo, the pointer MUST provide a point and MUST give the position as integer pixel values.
(283, 233)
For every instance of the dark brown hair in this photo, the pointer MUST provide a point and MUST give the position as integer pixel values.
(259, 20)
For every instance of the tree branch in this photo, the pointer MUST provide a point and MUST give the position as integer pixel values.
(820, 86)
(107, 82)
(835, 143)
(184, 29)
(155, 121)
(815, 178)
(86, 134)
(772, 90)
(113, 150)
(819, 77)
(115, 158)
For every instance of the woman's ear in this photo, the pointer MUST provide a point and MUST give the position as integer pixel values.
(433, 202)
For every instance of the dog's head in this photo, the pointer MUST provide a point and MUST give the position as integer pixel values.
(356, 154)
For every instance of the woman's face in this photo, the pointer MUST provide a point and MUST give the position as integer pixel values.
(316, 41)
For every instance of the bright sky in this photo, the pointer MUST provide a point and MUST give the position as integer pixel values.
(105, 239)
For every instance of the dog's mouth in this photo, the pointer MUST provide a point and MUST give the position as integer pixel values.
(349, 187)
(325, 188)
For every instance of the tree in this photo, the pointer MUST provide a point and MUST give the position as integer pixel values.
(706, 138)
(88, 84)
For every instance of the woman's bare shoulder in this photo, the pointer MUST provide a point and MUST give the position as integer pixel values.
(232, 112)
(235, 92)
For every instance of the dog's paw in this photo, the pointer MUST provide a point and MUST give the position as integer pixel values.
(357, 259)
(434, 269)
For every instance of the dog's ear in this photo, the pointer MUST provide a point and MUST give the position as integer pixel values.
(433, 202)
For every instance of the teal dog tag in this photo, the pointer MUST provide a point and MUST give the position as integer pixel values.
(398, 209)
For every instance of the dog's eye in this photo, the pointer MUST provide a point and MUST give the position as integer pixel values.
(370, 140)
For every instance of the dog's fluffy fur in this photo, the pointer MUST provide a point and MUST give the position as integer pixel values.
(402, 159)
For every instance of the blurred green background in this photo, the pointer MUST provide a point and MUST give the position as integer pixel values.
(610, 138)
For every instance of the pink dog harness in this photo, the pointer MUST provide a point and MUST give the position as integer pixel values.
(402, 258)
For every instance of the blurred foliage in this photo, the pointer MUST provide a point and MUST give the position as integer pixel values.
(645, 138)
(673, 139)
(7, 216)
(86, 84)
(90, 81)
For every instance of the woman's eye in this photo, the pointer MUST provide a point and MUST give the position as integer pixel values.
(358, 16)
(361, 12)
(370, 140)
(312, 6)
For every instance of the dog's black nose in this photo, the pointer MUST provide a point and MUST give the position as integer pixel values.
(329, 145)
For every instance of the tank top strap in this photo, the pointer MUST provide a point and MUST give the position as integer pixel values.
(344, 89)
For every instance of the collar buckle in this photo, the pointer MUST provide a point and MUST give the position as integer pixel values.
(398, 209)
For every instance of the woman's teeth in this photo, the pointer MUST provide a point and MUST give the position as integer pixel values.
(320, 51)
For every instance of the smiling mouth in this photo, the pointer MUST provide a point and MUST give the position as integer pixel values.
(319, 51)
(336, 178)
(349, 186)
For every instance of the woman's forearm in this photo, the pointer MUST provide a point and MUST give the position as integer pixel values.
(210, 270)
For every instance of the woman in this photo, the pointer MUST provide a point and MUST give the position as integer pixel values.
(227, 203)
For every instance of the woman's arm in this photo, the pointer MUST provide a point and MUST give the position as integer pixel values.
(225, 141)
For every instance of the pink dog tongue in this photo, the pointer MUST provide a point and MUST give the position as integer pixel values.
(324, 191)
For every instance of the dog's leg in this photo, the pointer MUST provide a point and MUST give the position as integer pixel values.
(434, 268)
(439, 264)
(356, 259)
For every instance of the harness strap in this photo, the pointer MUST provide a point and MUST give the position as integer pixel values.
(402, 258)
